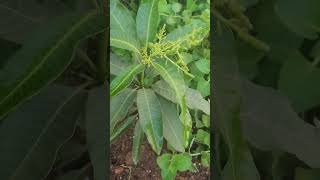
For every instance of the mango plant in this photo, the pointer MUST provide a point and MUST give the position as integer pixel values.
(159, 64)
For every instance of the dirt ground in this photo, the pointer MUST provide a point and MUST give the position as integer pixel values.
(122, 166)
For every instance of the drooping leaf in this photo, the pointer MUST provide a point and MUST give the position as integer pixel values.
(97, 130)
(172, 126)
(32, 135)
(45, 56)
(147, 20)
(124, 79)
(137, 141)
(150, 118)
(270, 123)
(299, 81)
(193, 97)
(122, 32)
(226, 106)
(119, 106)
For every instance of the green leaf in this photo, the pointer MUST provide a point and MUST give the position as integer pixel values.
(172, 126)
(31, 136)
(182, 162)
(121, 129)
(97, 130)
(186, 121)
(299, 81)
(45, 56)
(205, 159)
(117, 65)
(137, 141)
(187, 29)
(163, 161)
(150, 118)
(163, 7)
(306, 174)
(306, 23)
(206, 120)
(203, 87)
(203, 137)
(226, 106)
(280, 128)
(123, 28)
(176, 7)
(124, 79)
(119, 106)
(173, 77)
(193, 97)
(170, 164)
(203, 65)
(147, 20)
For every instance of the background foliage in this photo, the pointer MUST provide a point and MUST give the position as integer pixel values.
(266, 89)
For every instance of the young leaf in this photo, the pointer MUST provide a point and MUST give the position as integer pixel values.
(45, 56)
(147, 20)
(150, 118)
(163, 162)
(120, 105)
(123, 32)
(96, 130)
(124, 79)
(31, 136)
(194, 99)
(172, 126)
(137, 141)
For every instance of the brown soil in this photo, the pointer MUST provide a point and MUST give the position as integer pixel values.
(122, 166)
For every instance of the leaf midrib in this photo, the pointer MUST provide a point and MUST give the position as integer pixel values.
(127, 43)
(51, 51)
(125, 78)
(148, 107)
(149, 21)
